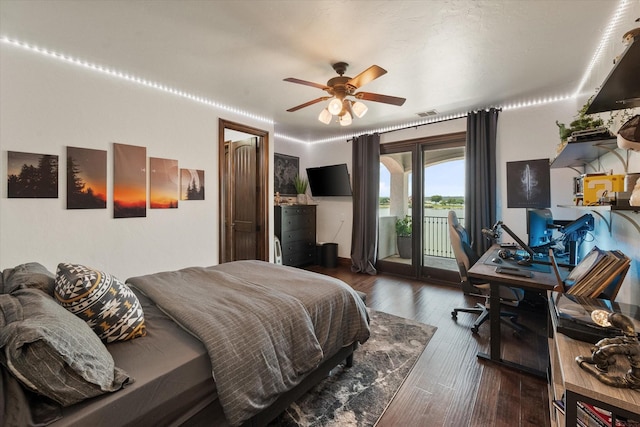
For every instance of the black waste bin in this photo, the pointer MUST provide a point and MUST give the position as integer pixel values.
(329, 255)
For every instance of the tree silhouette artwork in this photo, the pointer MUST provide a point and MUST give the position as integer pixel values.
(192, 183)
(32, 175)
(81, 193)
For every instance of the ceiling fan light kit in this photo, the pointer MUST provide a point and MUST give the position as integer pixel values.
(325, 116)
(339, 88)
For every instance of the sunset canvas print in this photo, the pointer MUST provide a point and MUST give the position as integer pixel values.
(163, 183)
(32, 175)
(192, 184)
(86, 178)
(129, 181)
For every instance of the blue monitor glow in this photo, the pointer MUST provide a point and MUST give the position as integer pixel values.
(540, 227)
(328, 181)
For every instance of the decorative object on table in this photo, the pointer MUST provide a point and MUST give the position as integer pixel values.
(277, 199)
(286, 168)
(301, 185)
(403, 232)
(603, 355)
(629, 134)
(634, 200)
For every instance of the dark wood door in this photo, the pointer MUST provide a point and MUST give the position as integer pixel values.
(243, 194)
(243, 163)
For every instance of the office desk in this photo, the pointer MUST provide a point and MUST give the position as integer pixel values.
(486, 271)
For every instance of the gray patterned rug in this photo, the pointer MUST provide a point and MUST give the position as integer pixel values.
(358, 396)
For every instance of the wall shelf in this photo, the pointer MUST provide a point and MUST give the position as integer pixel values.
(621, 88)
(580, 154)
(617, 210)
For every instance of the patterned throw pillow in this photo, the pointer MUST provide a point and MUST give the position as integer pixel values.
(104, 302)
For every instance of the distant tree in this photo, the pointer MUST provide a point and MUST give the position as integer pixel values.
(436, 198)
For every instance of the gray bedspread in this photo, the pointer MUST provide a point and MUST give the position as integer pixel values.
(265, 327)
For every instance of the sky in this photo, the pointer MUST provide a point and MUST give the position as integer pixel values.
(443, 179)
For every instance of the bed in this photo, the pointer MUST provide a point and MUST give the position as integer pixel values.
(266, 333)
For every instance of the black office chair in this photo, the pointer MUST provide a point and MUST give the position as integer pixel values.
(465, 258)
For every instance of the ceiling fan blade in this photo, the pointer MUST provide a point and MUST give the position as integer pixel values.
(376, 97)
(366, 76)
(306, 104)
(304, 82)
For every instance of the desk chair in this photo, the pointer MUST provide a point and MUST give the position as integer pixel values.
(465, 258)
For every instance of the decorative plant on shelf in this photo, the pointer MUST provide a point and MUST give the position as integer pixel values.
(301, 185)
(403, 233)
(582, 122)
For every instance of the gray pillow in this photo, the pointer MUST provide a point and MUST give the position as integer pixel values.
(53, 352)
(29, 275)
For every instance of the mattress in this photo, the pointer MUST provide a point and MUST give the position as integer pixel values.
(172, 373)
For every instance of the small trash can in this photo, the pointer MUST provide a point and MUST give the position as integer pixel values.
(329, 255)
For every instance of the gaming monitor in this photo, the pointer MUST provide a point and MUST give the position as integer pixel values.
(539, 227)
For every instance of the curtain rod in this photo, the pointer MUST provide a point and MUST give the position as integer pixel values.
(428, 123)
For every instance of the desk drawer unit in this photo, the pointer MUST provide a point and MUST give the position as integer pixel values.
(295, 226)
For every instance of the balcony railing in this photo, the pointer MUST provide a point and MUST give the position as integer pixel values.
(436, 237)
(435, 230)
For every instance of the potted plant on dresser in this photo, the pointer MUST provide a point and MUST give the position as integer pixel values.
(403, 233)
(301, 185)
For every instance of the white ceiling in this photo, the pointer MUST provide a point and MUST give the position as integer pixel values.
(451, 56)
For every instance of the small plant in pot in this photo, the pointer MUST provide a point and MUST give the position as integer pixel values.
(403, 233)
(301, 185)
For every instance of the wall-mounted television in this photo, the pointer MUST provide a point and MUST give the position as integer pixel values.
(329, 181)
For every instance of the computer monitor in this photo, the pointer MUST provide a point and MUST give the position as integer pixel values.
(540, 228)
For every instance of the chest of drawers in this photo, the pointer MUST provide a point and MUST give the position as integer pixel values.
(295, 226)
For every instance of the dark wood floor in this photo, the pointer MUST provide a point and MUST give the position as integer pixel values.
(449, 386)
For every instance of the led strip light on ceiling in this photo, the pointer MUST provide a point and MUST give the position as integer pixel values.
(620, 10)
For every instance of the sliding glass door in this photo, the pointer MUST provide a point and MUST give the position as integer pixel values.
(413, 238)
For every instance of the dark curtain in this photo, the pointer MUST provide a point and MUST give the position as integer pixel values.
(480, 197)
(366, 180)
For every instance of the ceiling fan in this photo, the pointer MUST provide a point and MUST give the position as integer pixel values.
(339, 88)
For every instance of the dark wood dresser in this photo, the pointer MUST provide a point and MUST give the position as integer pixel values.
(295, 226)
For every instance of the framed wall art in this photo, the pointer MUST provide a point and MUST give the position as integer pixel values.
(191, 184)
(285, 170)
(529, 184)
(129, 181)
(32, 175)
(86, 178)
(164, 183)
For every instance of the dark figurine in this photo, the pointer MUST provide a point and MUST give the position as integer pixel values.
(604, 352)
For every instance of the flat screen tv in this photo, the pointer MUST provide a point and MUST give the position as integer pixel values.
(328, 181)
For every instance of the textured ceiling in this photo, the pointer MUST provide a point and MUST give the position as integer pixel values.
(444, 55)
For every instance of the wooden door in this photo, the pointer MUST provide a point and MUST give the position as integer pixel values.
(242, 195)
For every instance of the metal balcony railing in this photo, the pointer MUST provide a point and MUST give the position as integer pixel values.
(436, 240)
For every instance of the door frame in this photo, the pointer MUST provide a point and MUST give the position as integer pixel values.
(262, 184)
(417, 147)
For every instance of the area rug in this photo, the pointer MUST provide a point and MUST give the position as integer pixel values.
(358, 396)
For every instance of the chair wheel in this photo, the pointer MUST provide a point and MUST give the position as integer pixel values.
(454, 315)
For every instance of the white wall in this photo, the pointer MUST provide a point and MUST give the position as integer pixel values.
(47, 105)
